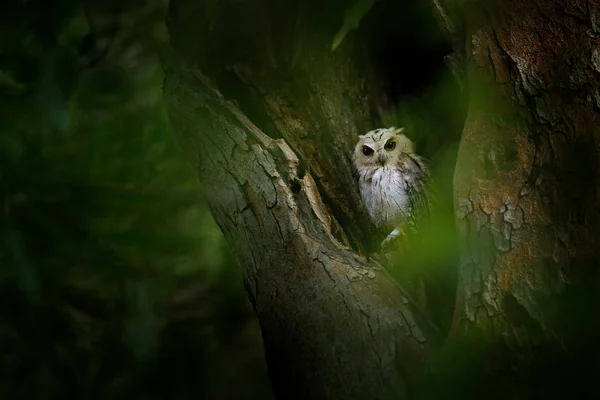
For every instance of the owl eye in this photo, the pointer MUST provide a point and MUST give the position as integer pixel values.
(367, 151)
(390, 145)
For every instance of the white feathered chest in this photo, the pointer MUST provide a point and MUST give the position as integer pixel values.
(392, 178)
(385, 194)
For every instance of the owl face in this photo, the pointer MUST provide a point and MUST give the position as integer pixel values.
(381, 147)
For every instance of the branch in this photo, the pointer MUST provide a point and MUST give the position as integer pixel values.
(334, 326)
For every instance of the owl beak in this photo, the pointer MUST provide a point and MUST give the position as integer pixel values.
(381, 159)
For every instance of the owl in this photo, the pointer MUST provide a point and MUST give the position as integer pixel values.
(393, 181)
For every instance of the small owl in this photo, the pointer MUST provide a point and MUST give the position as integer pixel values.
(393, 180)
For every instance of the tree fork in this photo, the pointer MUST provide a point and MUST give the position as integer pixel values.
(334, 325)
(282, 190)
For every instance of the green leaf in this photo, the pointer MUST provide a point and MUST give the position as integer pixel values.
(211, 13)
(351, 20)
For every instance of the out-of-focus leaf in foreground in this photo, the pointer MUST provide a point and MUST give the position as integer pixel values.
(352, 19)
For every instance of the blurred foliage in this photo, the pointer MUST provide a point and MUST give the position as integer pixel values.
(352, 19)
(115, 280)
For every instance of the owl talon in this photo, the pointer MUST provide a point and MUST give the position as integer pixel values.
(390, 241)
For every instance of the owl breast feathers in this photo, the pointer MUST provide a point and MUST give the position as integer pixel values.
(393, 179)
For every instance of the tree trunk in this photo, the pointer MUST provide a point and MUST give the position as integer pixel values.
(526, 191)
(269, 114)
(269, 124)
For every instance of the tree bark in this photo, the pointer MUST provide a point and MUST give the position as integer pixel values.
(269, 124)
(268, 115)
(526, 189)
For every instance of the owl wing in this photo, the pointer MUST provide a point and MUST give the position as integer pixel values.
(418, 184)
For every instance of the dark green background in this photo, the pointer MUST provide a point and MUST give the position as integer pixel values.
(115, 281)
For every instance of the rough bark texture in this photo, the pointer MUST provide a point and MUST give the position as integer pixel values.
(269, 125)
(526, 184)
(269, 122)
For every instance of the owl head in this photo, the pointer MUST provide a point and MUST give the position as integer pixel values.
(381, 147)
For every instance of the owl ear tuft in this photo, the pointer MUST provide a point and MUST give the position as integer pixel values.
(410, 145)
